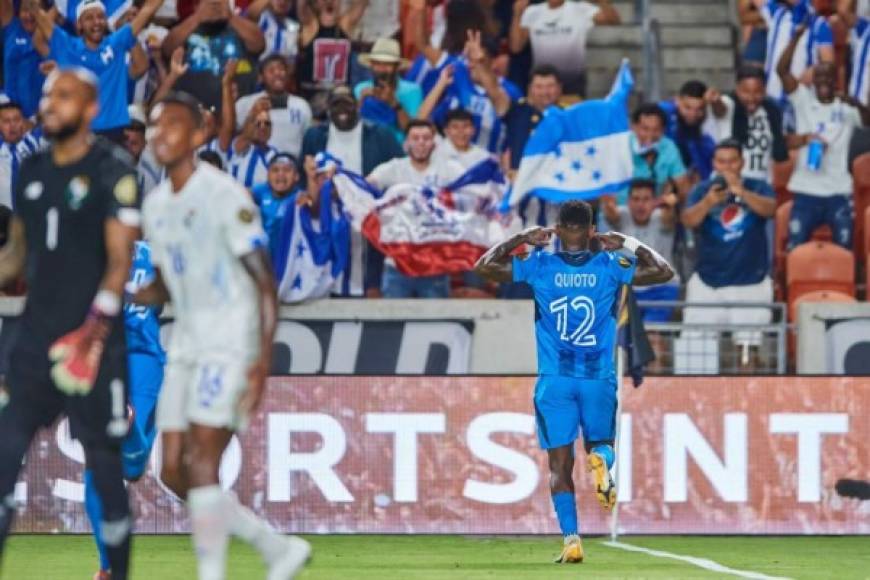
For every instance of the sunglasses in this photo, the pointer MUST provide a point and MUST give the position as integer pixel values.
(262, 124)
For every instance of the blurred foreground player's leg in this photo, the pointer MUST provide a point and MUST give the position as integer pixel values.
(76, 218)
(576, 294)
(145, 359)
(208, 251)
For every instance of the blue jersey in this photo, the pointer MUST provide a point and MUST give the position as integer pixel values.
(142, 322)
(108, 62)
(576, 304)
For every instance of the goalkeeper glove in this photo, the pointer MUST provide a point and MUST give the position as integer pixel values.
(77, 354)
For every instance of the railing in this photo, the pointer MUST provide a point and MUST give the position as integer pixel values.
(718, 349)
(653, 63)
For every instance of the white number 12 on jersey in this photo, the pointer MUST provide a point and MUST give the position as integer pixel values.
(582, 304)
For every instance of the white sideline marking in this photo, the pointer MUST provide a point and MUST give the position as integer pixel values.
(699, 562)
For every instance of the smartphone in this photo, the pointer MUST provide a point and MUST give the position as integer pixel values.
(278, 102)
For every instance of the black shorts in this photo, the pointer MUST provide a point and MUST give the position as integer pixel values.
(100, 417)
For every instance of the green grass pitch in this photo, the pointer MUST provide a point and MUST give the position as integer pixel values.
(446, 557)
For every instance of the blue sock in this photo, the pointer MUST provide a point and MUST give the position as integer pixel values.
(94, 508)
(566, 512)
(605, 451)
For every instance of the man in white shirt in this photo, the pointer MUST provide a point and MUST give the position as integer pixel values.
(821, 182)
(755, 120)
(558, 30)
(456, 144)
(290, 115)
(418, 168)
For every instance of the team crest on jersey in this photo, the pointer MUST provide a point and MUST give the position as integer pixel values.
(623, 262)
(246, 216)
(77, 191)
(33, 191)
(125, 190)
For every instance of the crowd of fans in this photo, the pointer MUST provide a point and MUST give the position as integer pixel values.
(419, 91)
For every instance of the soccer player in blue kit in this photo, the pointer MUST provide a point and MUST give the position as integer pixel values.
(577, 293)
(145, 361)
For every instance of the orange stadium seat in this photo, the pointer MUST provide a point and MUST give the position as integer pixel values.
(861, 173)
(780, 243)
(866, 248)
(819, 266)
(817, 296)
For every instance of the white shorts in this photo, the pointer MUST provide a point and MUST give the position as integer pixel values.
(699, 293)
(205, 391)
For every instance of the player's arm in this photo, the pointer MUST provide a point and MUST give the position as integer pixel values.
(154, 293)
(259, 267)
(783, 67)
(13, 253)
(497, 264)
(651, 267)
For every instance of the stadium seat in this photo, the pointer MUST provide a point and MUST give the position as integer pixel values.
(817, 296)
(819, 266)
(780, 243)
(861, 173)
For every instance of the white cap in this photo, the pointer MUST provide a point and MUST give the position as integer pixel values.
(89, 5)
(136, 114)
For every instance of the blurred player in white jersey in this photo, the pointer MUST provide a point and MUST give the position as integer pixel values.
(208, 250)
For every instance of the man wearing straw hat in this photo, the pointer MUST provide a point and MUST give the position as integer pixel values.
(387, 99)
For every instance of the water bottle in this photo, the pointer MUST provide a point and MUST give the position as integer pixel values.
(815, 152)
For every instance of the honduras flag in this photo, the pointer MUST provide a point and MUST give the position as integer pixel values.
(581, 152)
(427, 232)
(309, 257)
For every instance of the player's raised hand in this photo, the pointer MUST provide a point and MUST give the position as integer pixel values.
(538, 236)
(610, 242)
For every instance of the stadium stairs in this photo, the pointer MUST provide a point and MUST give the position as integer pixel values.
(698, 42)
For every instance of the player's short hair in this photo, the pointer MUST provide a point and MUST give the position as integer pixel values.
(10, 105)
(458, 115)
(641, 183)
(414, 123)
(649, 110)
(274, 57)
(751, 71)
(212, 158)
(546, 70)
(575, 213)
(186, 100)
(694, 89)
(729, 144)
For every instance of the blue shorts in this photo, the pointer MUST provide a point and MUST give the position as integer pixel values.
(565, 405)
(146, 376)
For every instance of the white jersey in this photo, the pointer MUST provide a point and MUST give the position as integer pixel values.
(197, 236)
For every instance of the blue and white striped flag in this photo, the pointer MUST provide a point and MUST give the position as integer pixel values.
(581, 152)
(309, 257)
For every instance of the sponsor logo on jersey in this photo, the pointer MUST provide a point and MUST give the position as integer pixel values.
(34, 190)
(125, 190)
(624, 262)
(77, 191)
(733, 218)
(246, 216)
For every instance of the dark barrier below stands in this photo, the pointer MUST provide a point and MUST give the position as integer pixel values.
(459, 455)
